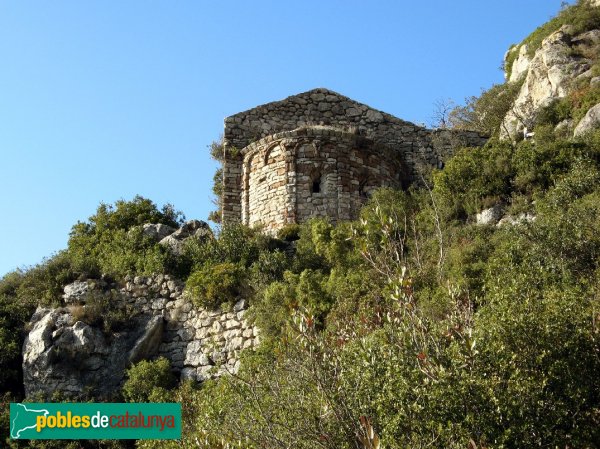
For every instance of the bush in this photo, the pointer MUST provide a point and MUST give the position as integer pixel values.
(111, 241)
(235, 243)
(581, 17)
(148, 381)
(13, 316)
(43, 284)
(105, 311)
(537, 165)
(473, 176)
(269, 268)
(212, 285)
(554, 113)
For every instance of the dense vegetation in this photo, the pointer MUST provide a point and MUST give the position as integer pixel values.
(418, 325)
(411, 327)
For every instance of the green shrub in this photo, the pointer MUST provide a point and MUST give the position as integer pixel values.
(214, 284)
(13, 316)
(554, 113)
(473, 176)
(234, 243)
(104, 311)
(582, 100)
(112, 242)
(268, 268)
(513, 53)
(538, 164)
(272, 308)
(486, 112)
(148, 381)
(536, 353)
(581, 17)
(307, 255)
(43, 284)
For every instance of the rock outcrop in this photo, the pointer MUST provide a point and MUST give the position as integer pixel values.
(496, 215)
(548, 76)
(563, 64)
(68, 356)
(520, 64)
(193, 228)
(491, 215)
(589, 122)
(157, 231)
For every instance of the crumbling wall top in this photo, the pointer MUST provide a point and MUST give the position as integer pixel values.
(315, 107)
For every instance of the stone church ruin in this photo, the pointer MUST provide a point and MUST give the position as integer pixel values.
(320, 154)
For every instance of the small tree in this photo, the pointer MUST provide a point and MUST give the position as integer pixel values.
(442, 107)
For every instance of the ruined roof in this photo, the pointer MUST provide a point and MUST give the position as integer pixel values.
(313, 95)
(315, 107)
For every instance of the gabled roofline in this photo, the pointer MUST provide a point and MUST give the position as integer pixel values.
(319, 90)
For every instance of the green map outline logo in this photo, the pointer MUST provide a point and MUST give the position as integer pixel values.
(14, 420)
(91, 421)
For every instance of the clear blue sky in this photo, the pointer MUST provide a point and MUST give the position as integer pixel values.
(104, 100)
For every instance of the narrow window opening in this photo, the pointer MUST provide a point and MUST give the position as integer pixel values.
(316, 185)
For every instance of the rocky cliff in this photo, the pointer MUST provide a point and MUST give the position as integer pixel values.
(564, 66)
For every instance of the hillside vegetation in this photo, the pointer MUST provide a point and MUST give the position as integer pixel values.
(411, 327)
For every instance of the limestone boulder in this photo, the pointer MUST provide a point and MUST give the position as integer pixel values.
(75, 292)
(192, 228)
(520, 63)
(589, 122)
(157, 231)
(548, 77)
(525, 217)
(79, 291)
(61, 354)
(490, 216)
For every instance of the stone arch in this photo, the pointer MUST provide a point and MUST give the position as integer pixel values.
(269, 149)
(362, 187)
(264, 184)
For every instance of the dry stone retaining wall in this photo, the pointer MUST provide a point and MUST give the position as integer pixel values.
(199, 343)
(63, 353)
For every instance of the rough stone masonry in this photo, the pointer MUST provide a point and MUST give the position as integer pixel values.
(319, 153)
(62, 353)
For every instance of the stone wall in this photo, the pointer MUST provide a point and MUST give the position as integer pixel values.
(409, 145)
(63, 353)
(320, 171)
(200, 343)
